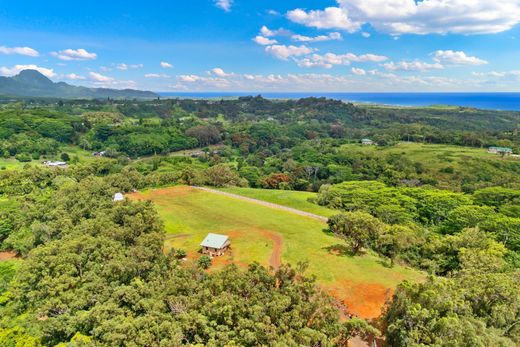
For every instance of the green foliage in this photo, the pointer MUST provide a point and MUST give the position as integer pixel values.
(204, 262)
(360, 229)
(466, 310)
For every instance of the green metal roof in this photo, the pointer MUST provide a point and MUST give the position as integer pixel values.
(214, 241)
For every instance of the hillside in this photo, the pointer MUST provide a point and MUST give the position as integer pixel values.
(33, 83)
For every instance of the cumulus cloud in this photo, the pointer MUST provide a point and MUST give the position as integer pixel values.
(224, 4)
(374, 80)
(359, 72)
(166, 65)
(74, 54)
(6, 71)
(329, 18)
(28, 51)
(285, 52)
(219, 72)
(265, 31)
(125, 67)
(73, 76)
(450, 57)
(415, 65)
(328, 60)
(100, 78)
(155, 75)
(365, 34)
(398, 17)
(264, 41)
(329, 37)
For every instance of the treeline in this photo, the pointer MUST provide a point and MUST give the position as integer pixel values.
(470, 244)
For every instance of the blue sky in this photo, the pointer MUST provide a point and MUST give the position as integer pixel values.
(256, 46)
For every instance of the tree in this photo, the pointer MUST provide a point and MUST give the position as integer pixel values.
(359, 229)
(222, 175)
(204, 262)
(205, 134)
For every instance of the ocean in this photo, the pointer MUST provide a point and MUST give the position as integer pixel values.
(489, 101)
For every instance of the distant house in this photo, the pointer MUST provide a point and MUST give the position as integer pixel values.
(119, 197)
(215, 245)
(500, 150)
(99, 154)
(367, 142)
(55, 163)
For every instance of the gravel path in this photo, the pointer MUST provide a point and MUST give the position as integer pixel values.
(264, 203)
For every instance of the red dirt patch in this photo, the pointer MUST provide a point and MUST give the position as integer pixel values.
(7, 255)
(276, 256)
(168, 192)
(364, 300)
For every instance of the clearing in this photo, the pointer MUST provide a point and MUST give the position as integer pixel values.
(270, 236)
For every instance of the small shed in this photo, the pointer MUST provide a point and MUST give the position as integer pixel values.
(55, 163)
(215, 245)
(367, 142)
(119, 197)
(501, 150)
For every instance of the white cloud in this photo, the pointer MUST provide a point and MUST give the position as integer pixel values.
(330, 18)
(398, 17)
(273, 12)
(359, 72)
(450, 57)
(415, 65)
(189, 78)
(219, 72)
(155, 75)
(166, 65)
(28, 51)
(264, 41)
(125, 67)
(328, 60)
(73, 76)
(365, 34)
(329, 37)
(224, 4)
(5, 71)
(285, 52)
(100, 78)
(265, 31)
(74, 54)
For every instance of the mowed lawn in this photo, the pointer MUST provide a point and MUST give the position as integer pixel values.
(362, 282)
(290, 198)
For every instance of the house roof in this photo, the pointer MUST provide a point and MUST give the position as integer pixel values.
(119, 197)
(214, 241)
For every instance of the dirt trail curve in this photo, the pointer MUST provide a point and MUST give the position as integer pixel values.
(264, 203)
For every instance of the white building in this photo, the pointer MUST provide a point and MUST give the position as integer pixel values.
(119, 197)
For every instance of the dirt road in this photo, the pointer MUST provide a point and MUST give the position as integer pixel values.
(264, 203)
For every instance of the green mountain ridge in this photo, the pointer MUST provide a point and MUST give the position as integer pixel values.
(33, 83)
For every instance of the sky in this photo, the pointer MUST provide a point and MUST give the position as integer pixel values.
(267, 45)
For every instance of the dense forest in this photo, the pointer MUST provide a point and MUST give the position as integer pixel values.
(94, 272)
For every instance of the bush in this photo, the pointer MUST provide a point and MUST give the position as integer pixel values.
(204, 262)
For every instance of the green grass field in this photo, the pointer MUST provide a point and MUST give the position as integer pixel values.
(190, 214)
(290, 198)
(73, 151)
(429, 154)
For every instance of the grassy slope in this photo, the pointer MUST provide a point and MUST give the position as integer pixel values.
(13, 164)
(189, 215)
(290, 198)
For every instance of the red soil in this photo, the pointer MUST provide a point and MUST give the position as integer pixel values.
(276, 256)
(168, 192)
(364, 300)
(7, 255)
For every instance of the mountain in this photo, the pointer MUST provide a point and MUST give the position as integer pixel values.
(33, 83)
